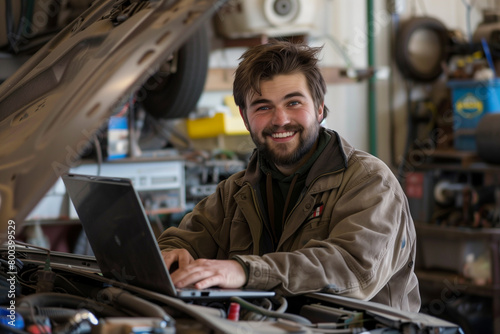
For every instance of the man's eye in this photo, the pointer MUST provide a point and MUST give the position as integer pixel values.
(293, 103)
(263, 108)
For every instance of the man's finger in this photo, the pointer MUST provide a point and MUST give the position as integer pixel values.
(188, 276)
(181, 256)
(169, 258)
(184, 258)
(211, 281)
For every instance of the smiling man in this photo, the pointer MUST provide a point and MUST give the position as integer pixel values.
(310, 213)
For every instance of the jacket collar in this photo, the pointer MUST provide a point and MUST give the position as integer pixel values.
(334, 159)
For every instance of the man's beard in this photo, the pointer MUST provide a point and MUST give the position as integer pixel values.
(275, 155)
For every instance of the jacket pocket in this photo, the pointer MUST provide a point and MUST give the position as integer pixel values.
(240, 238)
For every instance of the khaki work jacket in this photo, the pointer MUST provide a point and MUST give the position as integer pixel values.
(350, 233)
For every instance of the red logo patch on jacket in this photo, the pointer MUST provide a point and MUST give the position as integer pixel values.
(318, 210)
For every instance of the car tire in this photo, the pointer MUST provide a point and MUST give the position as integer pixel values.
(175, 95)
(488, 138)
(404, 60)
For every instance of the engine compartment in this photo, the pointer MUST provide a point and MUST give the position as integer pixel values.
(54, 292)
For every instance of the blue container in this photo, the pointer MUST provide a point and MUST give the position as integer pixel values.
(118, 137)
(9, 317)
(471, 100)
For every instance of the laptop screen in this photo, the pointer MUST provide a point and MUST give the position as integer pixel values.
(118, 231)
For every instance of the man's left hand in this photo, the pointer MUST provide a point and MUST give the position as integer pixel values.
(204, 273)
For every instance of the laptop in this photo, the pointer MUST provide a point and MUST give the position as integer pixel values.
(123, 242)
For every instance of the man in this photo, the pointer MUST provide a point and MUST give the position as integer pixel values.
(310, 213)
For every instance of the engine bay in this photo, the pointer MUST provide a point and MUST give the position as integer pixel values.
(55, 292)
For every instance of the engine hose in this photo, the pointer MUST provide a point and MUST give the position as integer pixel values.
(58, 314)
(488, 138)
(123, 299)
(53, 299)
(254, 308)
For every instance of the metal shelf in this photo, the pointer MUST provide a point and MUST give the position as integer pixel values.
(438, 279)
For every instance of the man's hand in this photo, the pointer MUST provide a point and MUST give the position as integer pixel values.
(203, 273)
(181, 256)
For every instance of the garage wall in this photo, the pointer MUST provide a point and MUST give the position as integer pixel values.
(341, 25)
(344, 27)
(349, 102)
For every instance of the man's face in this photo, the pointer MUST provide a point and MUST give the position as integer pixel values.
(283, 122)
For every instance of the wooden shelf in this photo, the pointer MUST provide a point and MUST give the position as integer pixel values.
(437, 279)
(454, 232)
(454, 160)
(221, 79)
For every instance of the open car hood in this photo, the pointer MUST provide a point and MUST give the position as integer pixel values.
(51, 107)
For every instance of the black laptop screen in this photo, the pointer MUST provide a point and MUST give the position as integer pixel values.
(117, 229)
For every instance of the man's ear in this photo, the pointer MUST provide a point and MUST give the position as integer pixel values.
(320, 112)
(243, 116)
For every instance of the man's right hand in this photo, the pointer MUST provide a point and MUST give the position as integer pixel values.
(203, 273)
(180, 256)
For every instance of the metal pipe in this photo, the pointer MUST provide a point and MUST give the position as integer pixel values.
(372, 102)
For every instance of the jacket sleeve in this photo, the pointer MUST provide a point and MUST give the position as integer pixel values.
(368, 238)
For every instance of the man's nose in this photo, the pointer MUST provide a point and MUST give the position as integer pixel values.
(280, 116)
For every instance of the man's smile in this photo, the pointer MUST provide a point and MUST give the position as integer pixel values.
(283, 135)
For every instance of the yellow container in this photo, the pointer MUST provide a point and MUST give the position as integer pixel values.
(219, 124)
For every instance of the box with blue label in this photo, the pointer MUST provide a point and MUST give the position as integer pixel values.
(118, 137)
(471, 100)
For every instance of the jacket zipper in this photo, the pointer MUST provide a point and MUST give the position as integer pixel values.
(259, 212)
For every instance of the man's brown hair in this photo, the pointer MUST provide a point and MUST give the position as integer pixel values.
(265, 61)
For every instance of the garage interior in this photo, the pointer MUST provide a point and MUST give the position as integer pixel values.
(413, 82)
